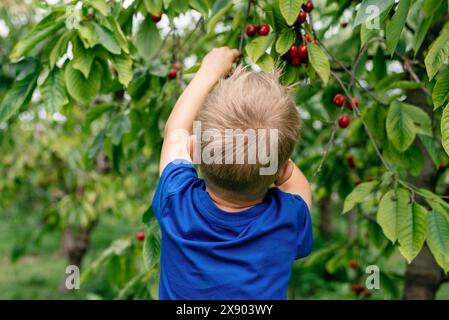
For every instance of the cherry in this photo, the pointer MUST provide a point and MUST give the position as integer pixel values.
(173, 73)
(293, 52)
(357, 288)
(350, 160)
(295, 61)
(303, 52)
(366, 293)
(315, 41)
(306, 38)
(353, 264)
(264, 29)
(355, 102)
(307, 7)
(339, 100)
(343, 121)
(343, 24)
(157, 18)
(302, 17)
(251, 30)
(140, 236)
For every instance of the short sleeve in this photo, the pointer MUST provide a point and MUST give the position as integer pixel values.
(305, 235)
(177, 176)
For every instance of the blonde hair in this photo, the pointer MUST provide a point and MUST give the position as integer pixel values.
(248, 100)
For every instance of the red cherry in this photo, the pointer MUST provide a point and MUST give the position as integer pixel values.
(307, 7)
(156, 18)
(339, 100)
(303, 52)
(350, 160)
(295, 61)
(140, 236)
(354, 101)
(264, 29)
(306, 38)
(251, 30)
(357, 288)
(302, 17)
(315, 41)
(366, 293)
(172, 74)
(293, 52)
(343, 121)
(353, 264)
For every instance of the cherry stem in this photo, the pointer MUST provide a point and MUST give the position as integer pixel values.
(242, 33)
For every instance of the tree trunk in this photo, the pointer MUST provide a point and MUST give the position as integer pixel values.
(75, 244)
(423, 277)
(326, 213)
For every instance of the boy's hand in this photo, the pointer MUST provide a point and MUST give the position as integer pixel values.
(218, 62)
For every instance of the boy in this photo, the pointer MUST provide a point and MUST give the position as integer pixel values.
(229, 235)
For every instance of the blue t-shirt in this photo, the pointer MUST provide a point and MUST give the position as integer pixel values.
(208, 253)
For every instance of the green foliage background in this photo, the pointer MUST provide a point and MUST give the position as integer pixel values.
(84, 97)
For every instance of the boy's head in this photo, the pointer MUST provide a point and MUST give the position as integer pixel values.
(251, 117)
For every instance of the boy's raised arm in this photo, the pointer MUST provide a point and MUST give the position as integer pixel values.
(296, 183)
(178, 128)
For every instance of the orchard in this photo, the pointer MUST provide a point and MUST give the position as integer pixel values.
(86, 88)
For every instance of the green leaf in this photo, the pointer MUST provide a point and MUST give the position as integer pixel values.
(120, 126)
(438, 237)
(440, 93)
(319, 61)
(400, 127)
(60, 48)
(266, 63)
(285, 41)
(96, 145)
(290, 10)
(107, 39)
(367, 34)
(101, 6)
(359, 194)
(371, 9)
(422, 121)
(42, 31)
(148, 215)
(433, 148)
(99, 109)
(412, 159)
(202, 6)
(392, 205)
(19, 95)
(80, 88)
(256, 48)
(421, 32)
(153, 7)
(82, 58)
(53, 91)
(148, 40)
(445, 129)
(86, 31)
(152, 246)
(217, 17)
(412, 230)
(123, 64)
(396, 24)
(438, 54)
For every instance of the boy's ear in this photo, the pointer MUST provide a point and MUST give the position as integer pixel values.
(191, 145)
(284, 173)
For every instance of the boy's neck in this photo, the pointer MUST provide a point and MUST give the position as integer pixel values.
(234, 205)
